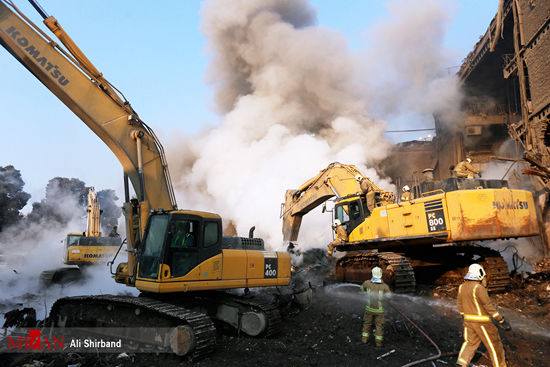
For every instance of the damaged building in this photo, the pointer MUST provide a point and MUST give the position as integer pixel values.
(505, 81)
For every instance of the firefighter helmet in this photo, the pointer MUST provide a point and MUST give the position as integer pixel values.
(376, 272)
(475, 272)
(336, 223)
(406, 188)
(358, 178)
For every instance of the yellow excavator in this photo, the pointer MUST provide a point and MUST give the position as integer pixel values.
(84, 248)
(178, 259)
(436, 230)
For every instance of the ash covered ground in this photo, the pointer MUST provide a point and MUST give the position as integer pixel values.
(328, 331)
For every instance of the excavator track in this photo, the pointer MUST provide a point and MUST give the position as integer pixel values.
(271, 312)
(356, 267)
(498, 275)
(60, 276)
(242, 305)
(129, 311)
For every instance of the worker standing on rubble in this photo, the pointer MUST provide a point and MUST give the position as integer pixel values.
(376, 291)
(341, 236)
(465, 169)
(477, 309)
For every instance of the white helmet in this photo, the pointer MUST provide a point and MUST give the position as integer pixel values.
(406, 188)
(469, 160)
(358, 178)
(475, 272)
(336, 223)
(376, 273)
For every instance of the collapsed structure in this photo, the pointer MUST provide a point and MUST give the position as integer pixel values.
(506, 110)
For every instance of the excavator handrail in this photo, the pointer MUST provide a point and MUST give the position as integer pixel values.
(433, 192)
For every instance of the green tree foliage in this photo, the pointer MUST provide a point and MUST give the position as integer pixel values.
(12, 196)
(65, 197)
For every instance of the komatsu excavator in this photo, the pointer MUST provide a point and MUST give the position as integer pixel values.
(176, 258)
(84, 248)
(435, 231)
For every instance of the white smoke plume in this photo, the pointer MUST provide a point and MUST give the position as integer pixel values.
(407, 67)
(293, 100)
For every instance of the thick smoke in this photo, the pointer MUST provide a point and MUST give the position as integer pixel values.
(407, 67)
(293, 100)
(35, 244)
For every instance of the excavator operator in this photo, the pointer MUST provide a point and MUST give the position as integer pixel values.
(183, 238)
(341, 236)
(477, 309)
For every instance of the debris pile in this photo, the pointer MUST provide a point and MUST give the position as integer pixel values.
(543, 267)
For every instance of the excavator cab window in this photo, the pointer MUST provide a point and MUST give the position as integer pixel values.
(72, 240)
(342, 214)
(152, 246)
(350, 214)
(183, 253)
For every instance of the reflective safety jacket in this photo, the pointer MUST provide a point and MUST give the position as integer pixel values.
(341, 233)
(376, 292)
(474, 303)
(464, 169)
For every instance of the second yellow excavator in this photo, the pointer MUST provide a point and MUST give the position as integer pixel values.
(437, 229)
(84, 248)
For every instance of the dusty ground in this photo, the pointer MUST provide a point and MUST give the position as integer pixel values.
(328, 333)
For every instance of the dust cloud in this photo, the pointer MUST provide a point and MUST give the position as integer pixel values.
(293, 98)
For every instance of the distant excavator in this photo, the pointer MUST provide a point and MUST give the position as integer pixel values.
(83, 249)
(437, 230)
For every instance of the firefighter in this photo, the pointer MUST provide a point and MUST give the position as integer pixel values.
(364, 184)
(406, 193)
(477, 309)
(341, 236)
(465, 169)
(376, 291)
(114, 232)
(135, 218)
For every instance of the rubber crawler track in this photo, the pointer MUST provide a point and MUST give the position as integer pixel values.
(272, 314)
(205, 332)
(362, 262)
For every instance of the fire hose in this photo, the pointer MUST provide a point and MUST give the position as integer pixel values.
(431, 358)
(427, 359)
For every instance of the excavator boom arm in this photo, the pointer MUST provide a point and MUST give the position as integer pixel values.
(111, 119)
(335, 180)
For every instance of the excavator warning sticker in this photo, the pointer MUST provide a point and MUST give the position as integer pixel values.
(270, 267)
(435, 216)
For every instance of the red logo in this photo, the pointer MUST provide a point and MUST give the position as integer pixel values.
(35, 341)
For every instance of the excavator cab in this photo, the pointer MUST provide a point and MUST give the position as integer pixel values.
(179, 240)
(351, 212)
